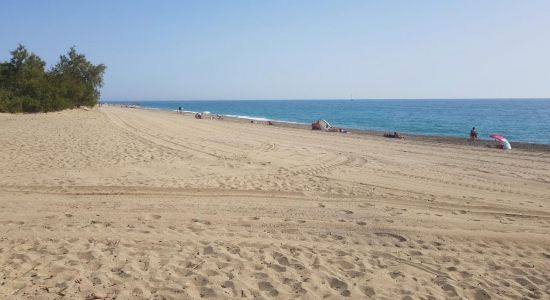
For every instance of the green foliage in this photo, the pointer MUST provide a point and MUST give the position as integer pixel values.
(26, 86)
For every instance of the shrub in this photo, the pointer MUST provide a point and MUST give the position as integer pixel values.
(25, 85)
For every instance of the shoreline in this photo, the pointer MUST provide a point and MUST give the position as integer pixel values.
(449, 140)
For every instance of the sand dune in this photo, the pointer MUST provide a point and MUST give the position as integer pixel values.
(135, 204)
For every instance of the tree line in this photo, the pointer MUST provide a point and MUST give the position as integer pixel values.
(27, 86)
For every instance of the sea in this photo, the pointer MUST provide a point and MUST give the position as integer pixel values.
(519, 120)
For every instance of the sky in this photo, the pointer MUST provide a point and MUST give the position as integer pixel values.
(291, 49)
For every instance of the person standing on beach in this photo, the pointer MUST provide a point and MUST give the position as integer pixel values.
(473, 134)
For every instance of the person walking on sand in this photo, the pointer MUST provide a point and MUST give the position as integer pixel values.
(473, 134)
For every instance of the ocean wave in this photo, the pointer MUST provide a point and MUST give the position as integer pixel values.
(262, 119)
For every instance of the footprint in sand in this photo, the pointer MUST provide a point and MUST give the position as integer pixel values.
(368, 291)
(339, 286)
(207, 250)
(13, 222)
(277, 267)
(481, 294)
(228, 284)
(206, 292)
(266, 286)
(204, 222)
(392, 235)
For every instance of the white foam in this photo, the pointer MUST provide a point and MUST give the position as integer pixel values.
(260, 119)
(248, 117)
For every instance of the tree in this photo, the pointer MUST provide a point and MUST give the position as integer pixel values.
(79, 78)
(24, 72)
(25, 85)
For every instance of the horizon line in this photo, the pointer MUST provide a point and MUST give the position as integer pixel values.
(325, 99)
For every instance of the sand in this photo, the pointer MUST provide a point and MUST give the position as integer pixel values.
(119, 203)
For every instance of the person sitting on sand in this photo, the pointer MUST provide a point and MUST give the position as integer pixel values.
(473, 134)
(395, 135)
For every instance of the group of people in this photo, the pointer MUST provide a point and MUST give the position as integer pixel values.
(395, 135)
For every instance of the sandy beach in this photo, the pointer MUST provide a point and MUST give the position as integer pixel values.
(119, 203)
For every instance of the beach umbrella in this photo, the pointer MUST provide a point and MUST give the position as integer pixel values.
(503, 141)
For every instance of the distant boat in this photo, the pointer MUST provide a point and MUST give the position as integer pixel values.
(351, 97)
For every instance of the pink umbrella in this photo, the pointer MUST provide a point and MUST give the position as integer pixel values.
(505, 144)
(497, 137)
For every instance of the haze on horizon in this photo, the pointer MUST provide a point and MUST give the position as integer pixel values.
(295, 49)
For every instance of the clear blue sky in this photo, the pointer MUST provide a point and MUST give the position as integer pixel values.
(289, 49)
